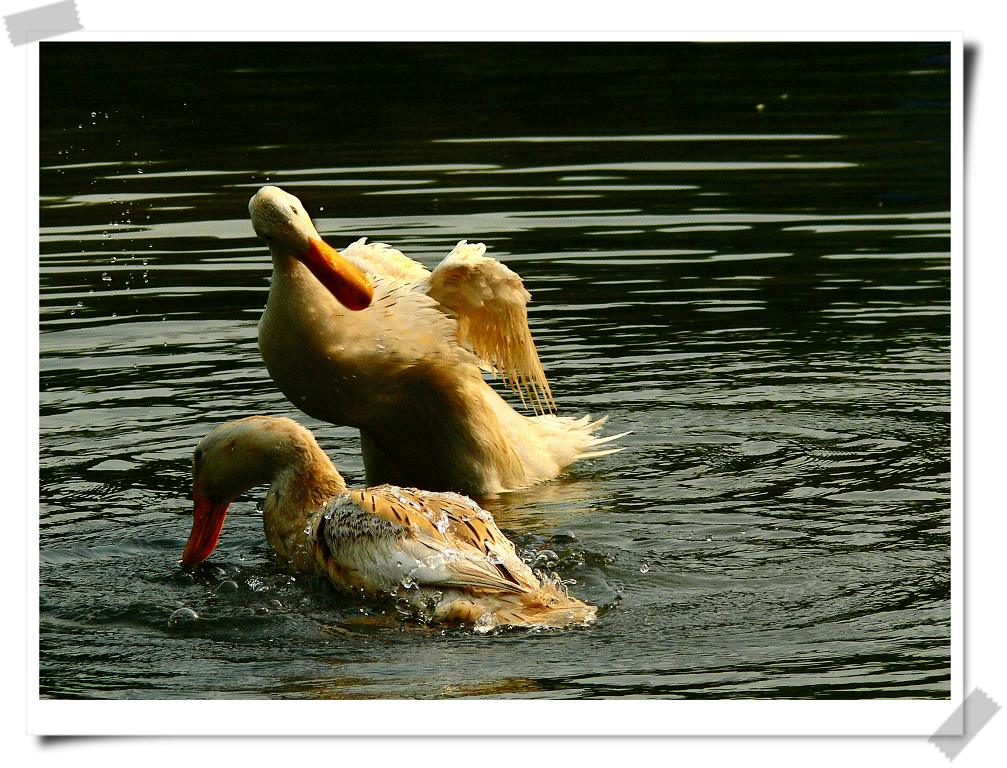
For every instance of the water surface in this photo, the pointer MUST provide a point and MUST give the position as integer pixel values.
(738, 252)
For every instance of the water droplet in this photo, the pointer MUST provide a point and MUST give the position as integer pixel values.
(256, 584)
(403, 606)
(486, 623)
(106, 277)
(94, 114)
(546, 557)
(644, 568)
(183, 617)
(226, 586)
(139, 170)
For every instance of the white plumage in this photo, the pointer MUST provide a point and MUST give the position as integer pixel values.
(407, 370)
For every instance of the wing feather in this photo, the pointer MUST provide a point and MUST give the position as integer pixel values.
(491, 306)
(445, 540)
(382, 259)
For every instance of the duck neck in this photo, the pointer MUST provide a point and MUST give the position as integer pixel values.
(298, 493)
(290, 275)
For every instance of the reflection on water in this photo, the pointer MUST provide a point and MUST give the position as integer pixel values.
(760, 294)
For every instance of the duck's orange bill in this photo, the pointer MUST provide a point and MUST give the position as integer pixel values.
(207, 521)
(345, 281)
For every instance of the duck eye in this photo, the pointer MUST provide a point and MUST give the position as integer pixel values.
(293, 210)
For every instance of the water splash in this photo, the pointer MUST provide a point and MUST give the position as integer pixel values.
(486, 623)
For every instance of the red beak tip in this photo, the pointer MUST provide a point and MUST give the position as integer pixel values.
(208, 519)
(357, 306)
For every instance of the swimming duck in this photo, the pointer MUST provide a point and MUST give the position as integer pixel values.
(441, 552)
(371, 339)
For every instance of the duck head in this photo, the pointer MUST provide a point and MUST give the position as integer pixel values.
(227, 462)
(281, 222)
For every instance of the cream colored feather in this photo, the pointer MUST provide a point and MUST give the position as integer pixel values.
(490, 303)
(408, 370)
(440, 552)
(382, 259)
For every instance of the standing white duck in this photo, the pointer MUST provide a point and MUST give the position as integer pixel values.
(371, 339)
(441, 552)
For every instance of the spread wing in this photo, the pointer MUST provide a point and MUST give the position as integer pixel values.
(432, 539)
(491, 306)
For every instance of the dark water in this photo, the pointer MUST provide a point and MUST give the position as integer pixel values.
(739, 252)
